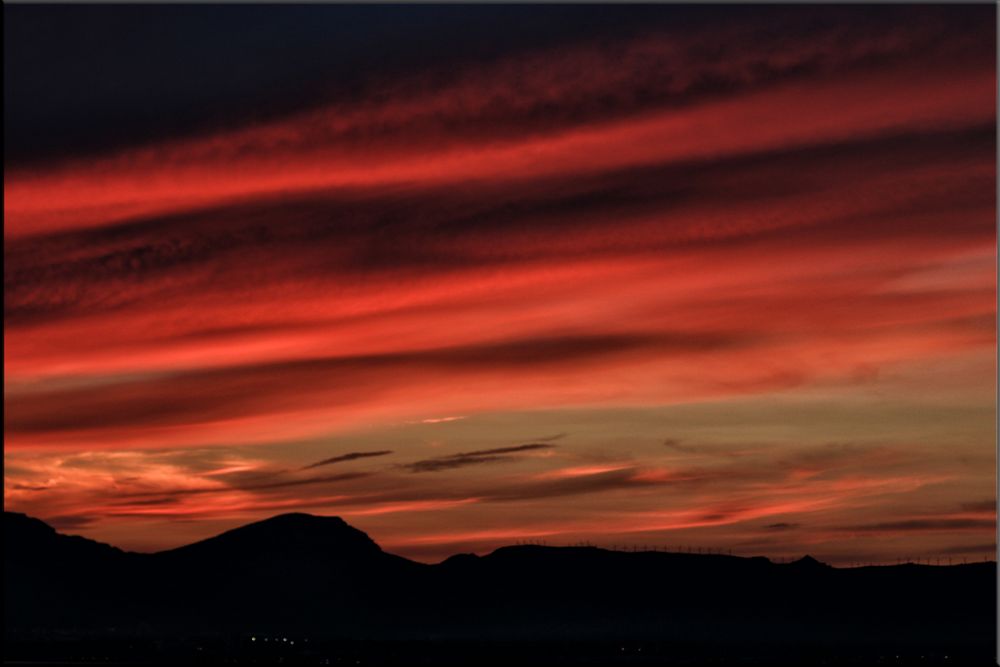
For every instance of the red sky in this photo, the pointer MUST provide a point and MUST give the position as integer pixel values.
(733, 288)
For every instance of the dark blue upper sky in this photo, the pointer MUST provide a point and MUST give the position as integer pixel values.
(80, 78)
(91, 78)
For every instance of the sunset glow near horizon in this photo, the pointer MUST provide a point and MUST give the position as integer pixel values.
(717, 278)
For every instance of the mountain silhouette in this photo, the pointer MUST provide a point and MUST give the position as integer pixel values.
(287, 534)
(808, 562)
(288, 550)
(318, 577)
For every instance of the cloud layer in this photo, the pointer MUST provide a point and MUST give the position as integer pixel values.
(685, 207)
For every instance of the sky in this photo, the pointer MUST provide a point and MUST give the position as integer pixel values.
(682, 277)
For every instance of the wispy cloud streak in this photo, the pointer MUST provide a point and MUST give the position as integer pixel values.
(351, 456)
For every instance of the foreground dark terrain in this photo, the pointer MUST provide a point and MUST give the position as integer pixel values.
(313, 590)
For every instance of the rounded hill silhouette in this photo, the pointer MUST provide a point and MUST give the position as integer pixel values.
(283, 536)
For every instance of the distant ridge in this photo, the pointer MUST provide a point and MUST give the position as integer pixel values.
(321, 577)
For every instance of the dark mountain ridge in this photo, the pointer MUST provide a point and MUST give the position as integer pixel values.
(286, 533)
(319, 577)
